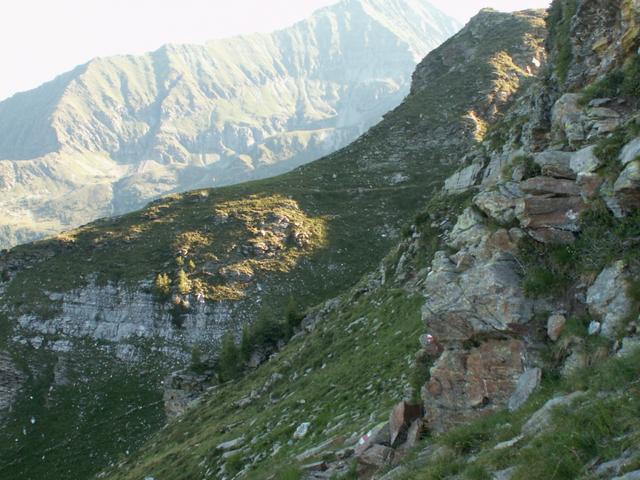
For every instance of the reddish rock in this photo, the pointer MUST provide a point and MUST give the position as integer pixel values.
(466, 384)
(548, 185)
(552, 212)
(401, 418)
(589, 184)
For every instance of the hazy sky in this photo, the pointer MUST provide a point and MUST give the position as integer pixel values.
(40, 39)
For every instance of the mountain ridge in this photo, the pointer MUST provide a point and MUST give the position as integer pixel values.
(128, 129)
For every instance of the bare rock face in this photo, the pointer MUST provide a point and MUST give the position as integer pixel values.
(603, 33)
(467, 383)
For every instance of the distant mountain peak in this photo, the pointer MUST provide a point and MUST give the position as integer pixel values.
(127, 129)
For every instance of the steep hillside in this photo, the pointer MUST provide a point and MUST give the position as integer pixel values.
(500, 338)
(118, 132)
(146, 292)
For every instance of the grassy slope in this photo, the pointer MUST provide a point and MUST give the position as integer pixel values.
(360, 210)
(343, 378)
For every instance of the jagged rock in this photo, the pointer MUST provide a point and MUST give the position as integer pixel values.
(585, 161)
(463, 179)
(401, 418)
(486, 298)
(527, 383)
(466, 384)
(594, 328)
(627, 186)
(470, 229)
(608, 299)
(541, 419)
(550, 186)
(555, 163)
(555, 326)
(566, 118)
(302, 430)
(630, 152)
(500, 203)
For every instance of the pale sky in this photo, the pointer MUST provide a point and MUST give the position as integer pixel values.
(40, 39)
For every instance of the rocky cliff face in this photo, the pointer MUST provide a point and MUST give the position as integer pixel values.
(160, 285)
(118, 132)
(490, 295)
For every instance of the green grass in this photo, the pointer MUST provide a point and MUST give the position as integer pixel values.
(81, 423)
(559, 19)
(601, 425)
(354, 363)
(623, 82)
(603, 239)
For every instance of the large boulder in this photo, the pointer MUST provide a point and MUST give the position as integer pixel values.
(567, 118)
(465, 384)
(500, 203)
(541, 419)
(486, 298)
(608, 299)
(555, 163)
(585, 161)
(630, 152)
(527, 383)
(552, 219)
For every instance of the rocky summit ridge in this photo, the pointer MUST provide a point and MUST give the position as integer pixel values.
(489, 331)
(117, 132)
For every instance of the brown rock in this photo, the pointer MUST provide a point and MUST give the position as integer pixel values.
(589, 184)
(466, 384)
(401, 418)
(548, 185)
(546, 212)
